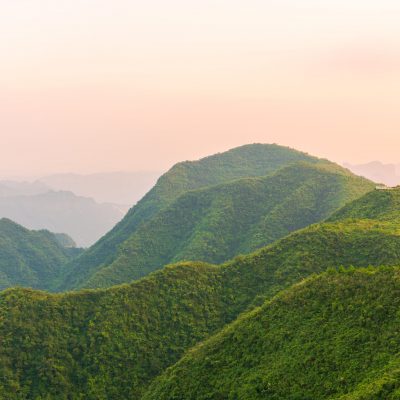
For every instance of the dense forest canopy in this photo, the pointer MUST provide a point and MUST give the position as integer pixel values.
(299, 317)
(32, 258)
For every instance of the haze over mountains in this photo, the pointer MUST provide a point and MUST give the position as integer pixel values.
(123, 188)
(389, 174)
(83, 206)
(269, 297)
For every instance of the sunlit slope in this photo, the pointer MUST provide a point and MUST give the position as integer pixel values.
(217, 223)
(111, 343)
(245, 161)
(381, 205)
(332, 336)
(30, 258)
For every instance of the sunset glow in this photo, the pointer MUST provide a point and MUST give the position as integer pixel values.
(125, 85)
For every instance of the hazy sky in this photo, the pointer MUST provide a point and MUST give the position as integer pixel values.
(97, 85)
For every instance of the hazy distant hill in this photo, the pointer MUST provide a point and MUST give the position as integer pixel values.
(389, 174)
(31, 258)
(112, 187)
(14, 188)
(81, 218)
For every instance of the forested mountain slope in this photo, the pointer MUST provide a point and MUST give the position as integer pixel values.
(381, 205)
(335, 336)
(217, 223)
(245, 161)
(111, 343)
(31, 258)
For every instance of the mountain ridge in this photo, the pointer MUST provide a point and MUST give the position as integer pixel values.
(242, 162)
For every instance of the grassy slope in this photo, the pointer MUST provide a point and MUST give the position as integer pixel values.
(29, 258)
(245, 161)
(321, 339)
(217, 223)
(112, 343)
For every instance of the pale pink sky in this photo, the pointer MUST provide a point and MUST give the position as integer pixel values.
(97, 85)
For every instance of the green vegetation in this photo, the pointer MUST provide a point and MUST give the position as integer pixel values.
(219, 222)
(333, 336)
(249, 328)
(64, 240)
(245, 161)
(31, 258)
(383, 205)
(112, 343)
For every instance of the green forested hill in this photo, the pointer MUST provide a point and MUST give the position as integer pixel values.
(111, 343)
(216, 223)
(245, 161)
(381, 205)
(330, 337)
(30, 258)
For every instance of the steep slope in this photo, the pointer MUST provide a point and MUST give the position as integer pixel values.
(245, 161)
(112, 343)
(383, 205)
(81, 218)
(30, 258)
(217, 223)
(322, 339)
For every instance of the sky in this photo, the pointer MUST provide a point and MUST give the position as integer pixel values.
(99, 85)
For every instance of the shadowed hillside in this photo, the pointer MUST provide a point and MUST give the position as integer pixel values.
(31, 258)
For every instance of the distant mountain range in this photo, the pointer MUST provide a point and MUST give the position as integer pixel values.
(62, 212)
(388, 174)
(124, 188)
(83, 206)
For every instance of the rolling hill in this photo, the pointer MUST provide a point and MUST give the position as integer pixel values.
(177, 220)
(112, 343)
(245, 161)
(382, 205)
(333, 336)
(217, 223)
(31, 258)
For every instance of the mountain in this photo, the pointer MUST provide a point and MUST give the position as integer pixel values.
(81, 218)
(389, 174)
(219, 222)
(12, 188)
(382, 205)
(31, 258)
(112, 343)
(255, 160)
(109, 187)
(333, 336)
